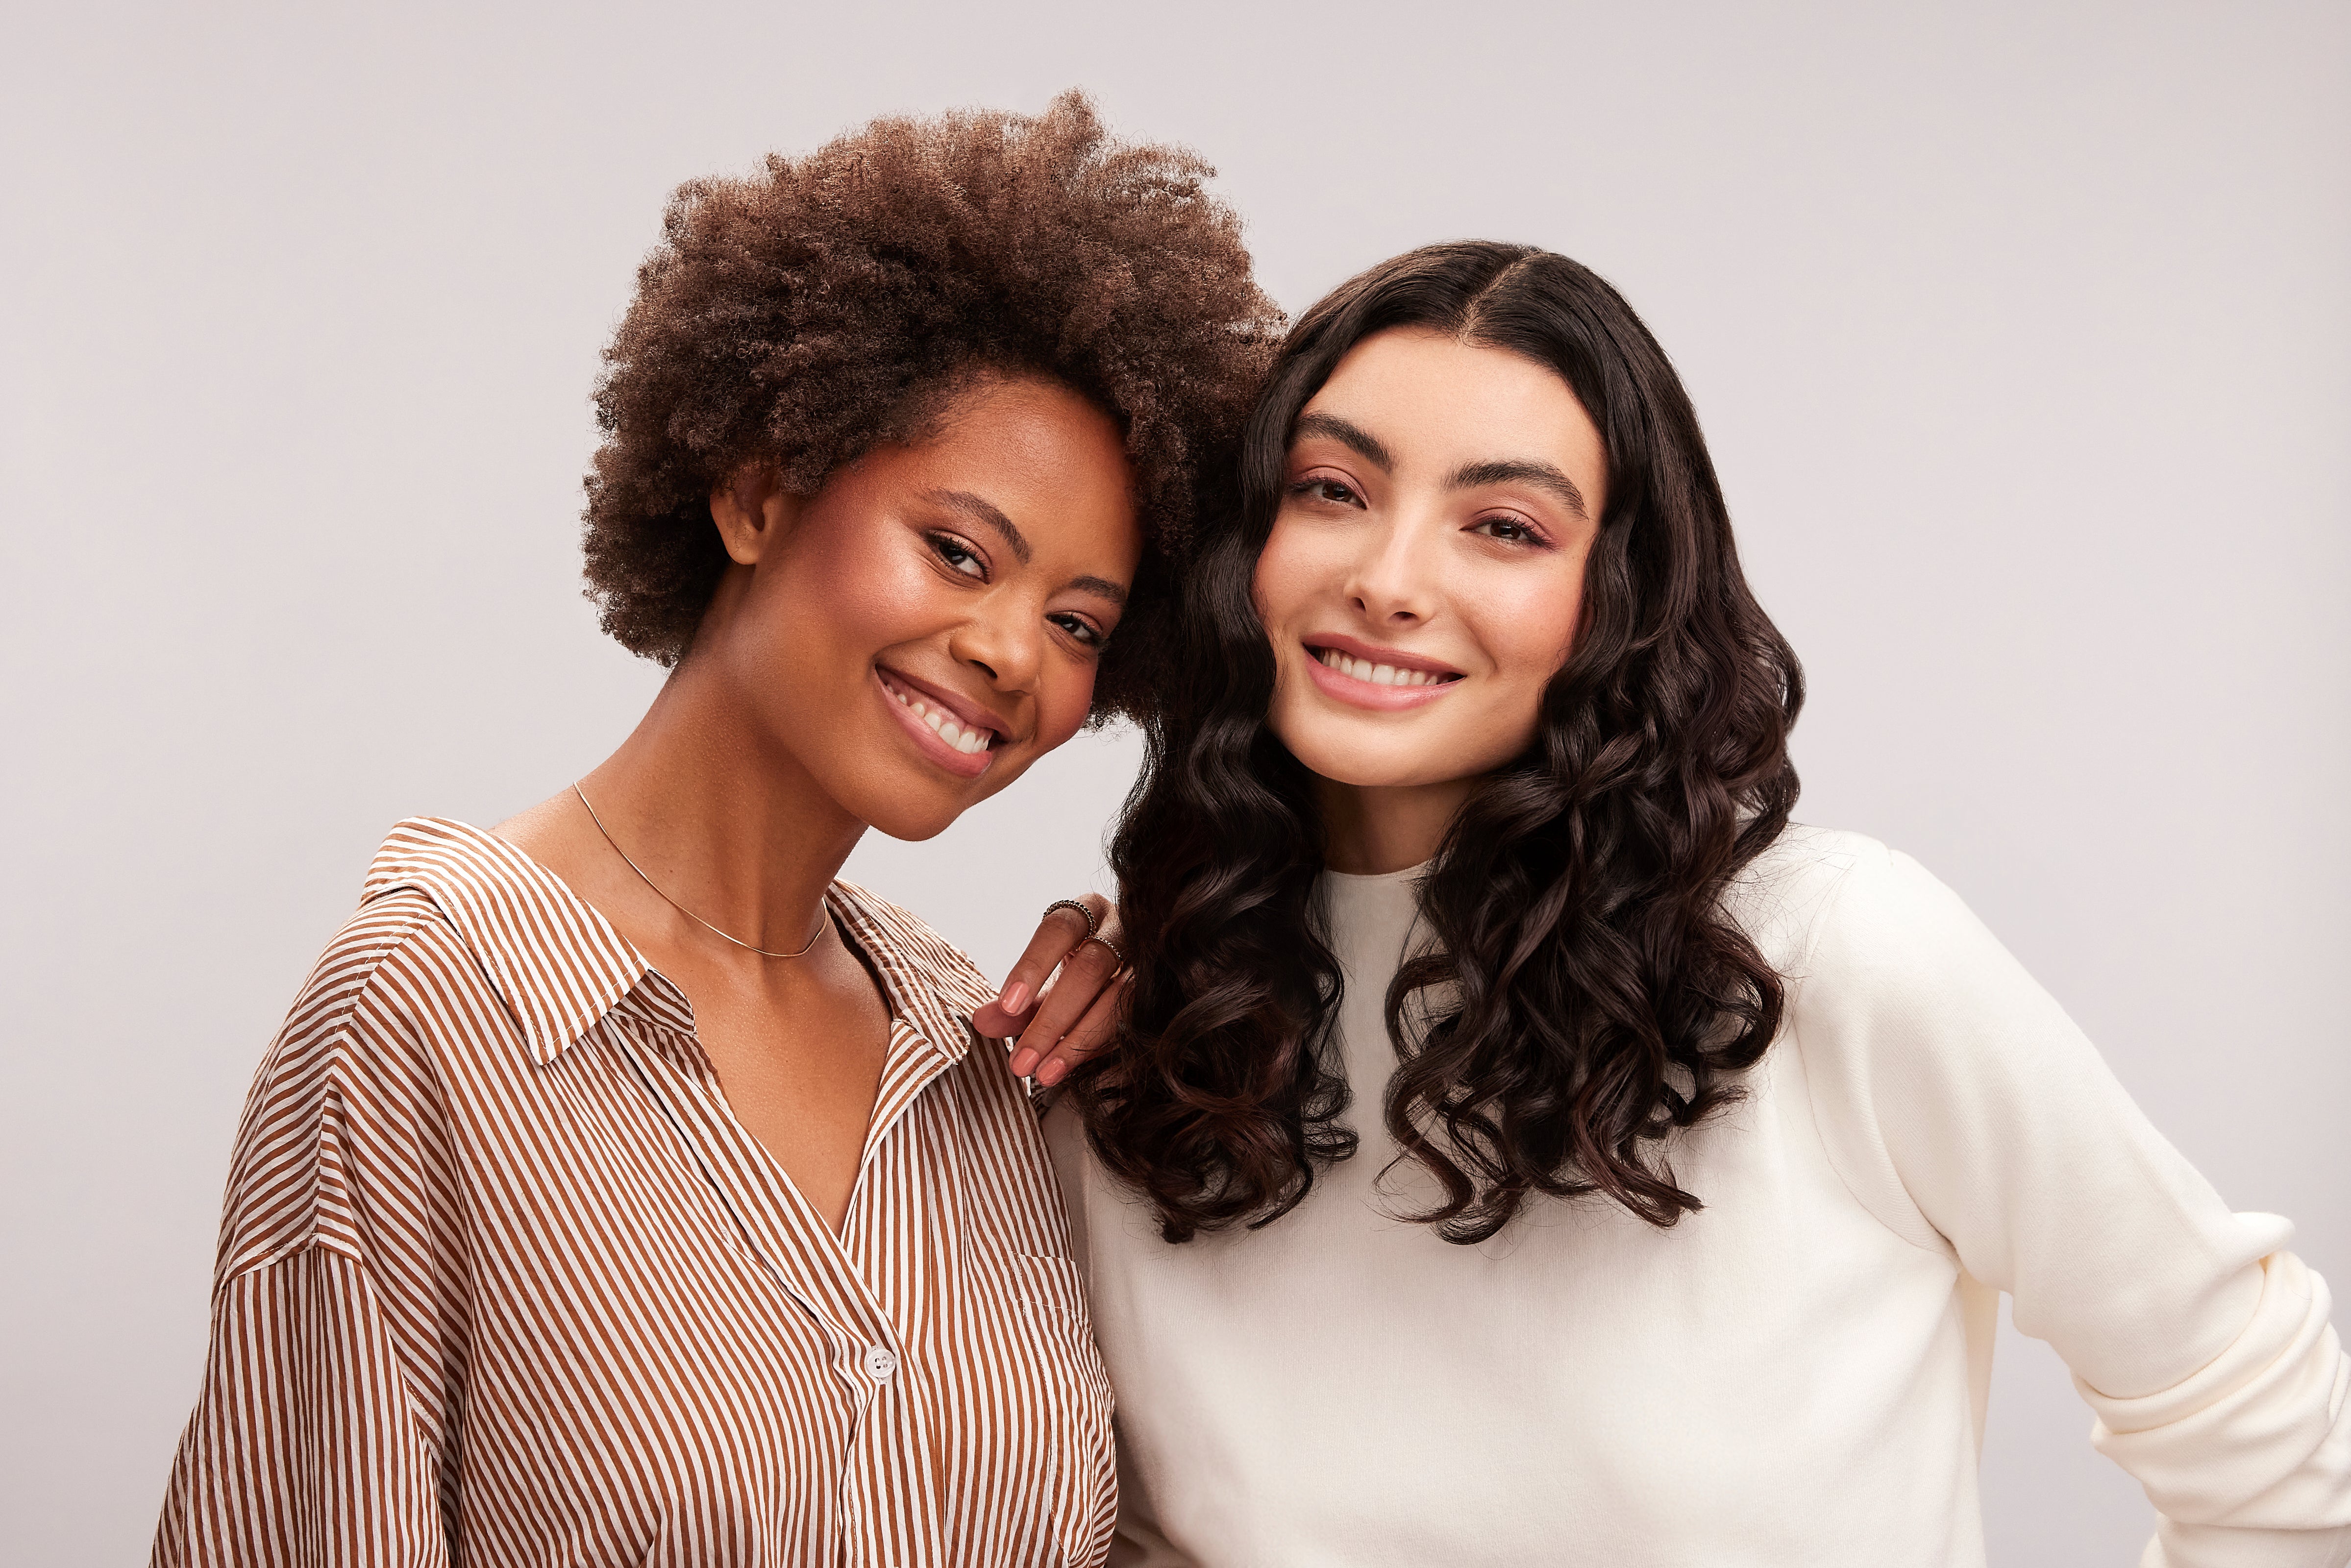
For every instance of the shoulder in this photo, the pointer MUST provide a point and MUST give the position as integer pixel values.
(384, 946)
(348, 1082)
(1807, 857)
(352, 957)
(1822, 900)
(908, 939)
(401, 967)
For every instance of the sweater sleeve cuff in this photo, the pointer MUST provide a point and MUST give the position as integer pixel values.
(2178, 1545)
(2255, 1442)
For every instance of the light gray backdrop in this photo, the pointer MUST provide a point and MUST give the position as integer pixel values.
(2023, 335)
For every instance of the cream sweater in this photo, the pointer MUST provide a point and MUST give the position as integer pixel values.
(1793, 1377)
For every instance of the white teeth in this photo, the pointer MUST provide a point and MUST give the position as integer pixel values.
(1375, 675)
(964, 740)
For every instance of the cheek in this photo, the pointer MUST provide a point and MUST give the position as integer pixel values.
(1527, 629)
(1066, 697)
(1290, 571)
(1528, 626)
(844, 593)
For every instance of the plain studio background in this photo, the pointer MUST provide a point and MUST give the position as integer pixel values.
(2023, 340)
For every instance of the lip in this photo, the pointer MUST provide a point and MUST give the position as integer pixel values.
(963, 764)
(1376, 655)
(1363, 693)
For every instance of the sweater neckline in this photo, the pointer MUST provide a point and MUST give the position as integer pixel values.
(1369, 879)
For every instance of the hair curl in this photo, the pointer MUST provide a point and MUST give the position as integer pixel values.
(1585, 993)
(837, 302)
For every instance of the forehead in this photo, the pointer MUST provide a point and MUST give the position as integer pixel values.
(1430, 392)
(1048, 459)
(1022, 420)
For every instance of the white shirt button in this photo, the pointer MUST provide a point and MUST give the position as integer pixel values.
(880, 1363)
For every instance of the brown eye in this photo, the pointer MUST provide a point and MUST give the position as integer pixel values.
(1084, 631)
(1332, 492)
(1510, 531)
(958, 556)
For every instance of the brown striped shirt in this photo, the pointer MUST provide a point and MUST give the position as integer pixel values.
(503, 1280)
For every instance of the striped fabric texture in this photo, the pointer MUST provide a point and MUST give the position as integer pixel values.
(502, 1280)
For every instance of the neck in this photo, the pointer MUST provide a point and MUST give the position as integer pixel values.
(733, 831)
(1371, 828)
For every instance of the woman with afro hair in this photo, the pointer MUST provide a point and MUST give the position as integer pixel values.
(624, 1187)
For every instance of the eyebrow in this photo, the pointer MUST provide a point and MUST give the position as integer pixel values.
(1541, 476)
(979, 508)
(986, 511)
(1347, 433)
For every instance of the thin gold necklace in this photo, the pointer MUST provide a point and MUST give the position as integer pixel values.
(681, 908)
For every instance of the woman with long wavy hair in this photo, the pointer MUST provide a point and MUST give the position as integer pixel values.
(1526, 1144)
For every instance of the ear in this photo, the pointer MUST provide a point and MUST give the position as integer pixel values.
(753, 511)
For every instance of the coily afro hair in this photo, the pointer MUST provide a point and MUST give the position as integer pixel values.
(836, 302)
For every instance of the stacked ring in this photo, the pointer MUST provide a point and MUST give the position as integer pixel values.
(1093, 925)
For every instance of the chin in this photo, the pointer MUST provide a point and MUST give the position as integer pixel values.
(919, 803)
(915, 822)
(1367, 768)
(1396, 778)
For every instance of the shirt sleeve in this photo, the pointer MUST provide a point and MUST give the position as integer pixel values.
(1967, 1111)
(326, 1413)
(305, 1450)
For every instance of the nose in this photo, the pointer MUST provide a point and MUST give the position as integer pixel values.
(1393, 582)
(1004, 640)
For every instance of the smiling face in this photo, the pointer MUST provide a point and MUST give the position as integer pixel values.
(1422, 581)
(928, 624)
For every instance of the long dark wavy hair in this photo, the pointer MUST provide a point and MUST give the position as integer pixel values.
(1584, 993)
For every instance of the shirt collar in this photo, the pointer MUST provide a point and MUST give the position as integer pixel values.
(930, 984)
(556, 964)
(560, 966)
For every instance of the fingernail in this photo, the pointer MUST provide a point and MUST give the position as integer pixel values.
(1015, 997)
(1024, 1062)
(1052, 1074)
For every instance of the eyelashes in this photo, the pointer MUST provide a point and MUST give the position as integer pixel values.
(1504, 528)
(1318, 490)
(1523, 532)
(1083, 631)
(959, 557)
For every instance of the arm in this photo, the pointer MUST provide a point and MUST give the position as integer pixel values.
(320, 1439)
(305, 1450)
(1970, 1115)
